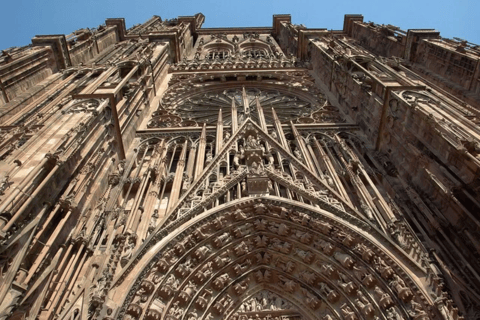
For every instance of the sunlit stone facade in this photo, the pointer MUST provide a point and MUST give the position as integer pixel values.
(170, 171)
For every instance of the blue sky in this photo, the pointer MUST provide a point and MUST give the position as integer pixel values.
(20, 20)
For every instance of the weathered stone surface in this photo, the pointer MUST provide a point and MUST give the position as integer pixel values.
(173, 172)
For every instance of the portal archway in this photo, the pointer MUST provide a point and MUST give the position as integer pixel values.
(324, 266)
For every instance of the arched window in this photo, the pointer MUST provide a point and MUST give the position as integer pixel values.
(220, 54)
(254, 53)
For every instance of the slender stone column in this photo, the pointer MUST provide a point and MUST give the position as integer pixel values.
(315, 162)
(303, 147)
(17, 260)
(219, 139)
(278, 127)
(263, 123)
(26, 181)
(201, 152)
(152, 195)
(261, 115)
(191, 161)
(246, 103)
(64, 281)
(37, 305)
(234, 117)
(177, 181)
(331, 170)
(63, 267)
(137, 212)
(47, 245)
(74, 277)
(31, 198)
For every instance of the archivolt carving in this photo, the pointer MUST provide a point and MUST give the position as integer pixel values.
(259, 258)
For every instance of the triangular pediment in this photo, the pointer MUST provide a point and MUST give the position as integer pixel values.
(255, 177)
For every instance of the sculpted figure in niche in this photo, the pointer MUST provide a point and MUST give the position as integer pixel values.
(362, 274)
(383, 298)
(392, 314)
(308, 277)
(121, 167)
(242, 230)
(297, 154)
(241, 287)
(327, 316)
(324, 246)
(128, 251)
(364, 305)
(221, 281)
(345, 259)
(244, 188)
(327, 269)
(277, 245)
(256, 168)
(304, 237)
(192, 315)
(327, 178)
(322, 226)
(201, 252)
(270, 187)
(381, 266)
(188, 291)
(367, 254)
(347, 285)
(172, 282)
(236, 159)
(279, 228)
(274, 134)
(416, 311)
(221, 260)
(239, 214)
(222, 239)
(286, 266)
(311, 300)
(242, 248)
(97, 289)
(176, 311)
(252, 143)
(331, 294)
(347, 312)
(402, 290)
(306, 256)
(342, 236)
(241, 268)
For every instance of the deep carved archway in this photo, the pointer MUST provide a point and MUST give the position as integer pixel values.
(322, 265)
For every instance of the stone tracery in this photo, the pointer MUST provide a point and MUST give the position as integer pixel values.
(182, 173)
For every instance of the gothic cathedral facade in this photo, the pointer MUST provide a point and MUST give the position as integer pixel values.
(169, 171)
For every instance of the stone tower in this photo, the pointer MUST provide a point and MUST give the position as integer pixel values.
(170, 171)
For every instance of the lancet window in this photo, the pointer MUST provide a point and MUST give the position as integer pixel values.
(254, 53)
(217, 54)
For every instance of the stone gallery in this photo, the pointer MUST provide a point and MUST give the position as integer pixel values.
(170, 171)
